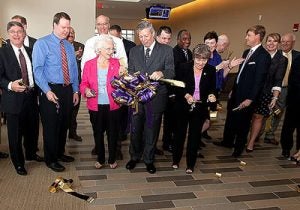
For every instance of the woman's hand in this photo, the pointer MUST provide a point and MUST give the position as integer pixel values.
(89, 93)
(272, 103)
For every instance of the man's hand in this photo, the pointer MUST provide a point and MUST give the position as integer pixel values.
(189, 98)
(156, 75)
(17, 87)
(245, 104)
(52, 97)
(75, 98)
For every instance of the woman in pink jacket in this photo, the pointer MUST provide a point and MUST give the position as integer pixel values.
(96, 87)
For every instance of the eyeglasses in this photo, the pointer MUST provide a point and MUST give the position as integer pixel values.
(15, 32)
(109, 49)
(101, 24)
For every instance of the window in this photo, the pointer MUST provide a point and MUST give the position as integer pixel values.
(128, 34)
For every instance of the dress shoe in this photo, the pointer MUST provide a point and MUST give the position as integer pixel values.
(36, 158)
(159, 152)
(66, 159)
(236, 154)
(222, 144)
(94, 152)
(56, 167)
(168, 148)
(3, 155)
(21, 170)
(151, 168)
(206, 136)
(201, 144)
(131, 164)
(285, 153)
(75, 137)
(199, 155)
(249, 150)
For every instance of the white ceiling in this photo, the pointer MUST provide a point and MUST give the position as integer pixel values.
(128, 10)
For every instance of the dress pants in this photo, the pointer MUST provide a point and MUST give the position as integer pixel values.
(193, 121)
(290, 123)
(105, 120)
(73, 121)
(24, 125)
(144, 133)
(169, 123)
(56, 120)
(237, 126)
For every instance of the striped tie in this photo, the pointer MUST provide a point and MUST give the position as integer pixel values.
(64, 62)
(23, 68)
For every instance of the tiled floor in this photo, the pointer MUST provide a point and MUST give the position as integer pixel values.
(264, 181)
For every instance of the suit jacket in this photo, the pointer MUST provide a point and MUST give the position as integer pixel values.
(293, 96)
(161, 59)
(77, 45)
(128, 45)
(10, 70)
(90, 80)
(179, 58)
(252, 77)
(207, 83)
(276, 72)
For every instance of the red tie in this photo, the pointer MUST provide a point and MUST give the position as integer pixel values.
(23, 68)
(64, 62)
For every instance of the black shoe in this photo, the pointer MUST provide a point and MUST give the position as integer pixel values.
(151, 168)
(206, 136)
(168, 148)
(94, 152)
(21, 170)
(201, 144)
(56, 167)
(75, 137)
(159, 152)
(3, 155)
(222, 144)
(249, 150)
(36, 158)
(119, 155)
(285, 153)
(199, 155)
(131, 164)
(236, 154)
(66, 159)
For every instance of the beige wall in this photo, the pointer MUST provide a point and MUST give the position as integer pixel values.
(39, 14)
(233, 17)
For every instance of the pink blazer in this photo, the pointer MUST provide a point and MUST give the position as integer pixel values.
(90, 80)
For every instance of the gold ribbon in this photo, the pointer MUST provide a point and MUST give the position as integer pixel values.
(65, 185)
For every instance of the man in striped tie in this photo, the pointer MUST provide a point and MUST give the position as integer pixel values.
(55, 72)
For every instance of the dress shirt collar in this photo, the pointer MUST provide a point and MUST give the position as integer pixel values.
(56, 38)
(151, 48)
(273, 54)
(255, 47)
(16, 50)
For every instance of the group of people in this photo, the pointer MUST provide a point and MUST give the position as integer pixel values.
(47, 80)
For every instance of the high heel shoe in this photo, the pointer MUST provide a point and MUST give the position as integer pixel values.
(113, 165)
(249, 150)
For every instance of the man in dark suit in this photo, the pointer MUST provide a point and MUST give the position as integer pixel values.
(78, 52)
(182, 54)
(19, 98)
(291, 119)
(247, 86)
(157, 61)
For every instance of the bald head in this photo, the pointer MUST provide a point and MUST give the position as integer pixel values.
(223, 43)
(287, 42)
(102, 24)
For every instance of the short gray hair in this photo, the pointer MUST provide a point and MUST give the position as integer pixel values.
(145, 24)
(201, 51)
(101, 41)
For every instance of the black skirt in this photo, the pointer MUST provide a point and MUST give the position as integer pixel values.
(262, 106)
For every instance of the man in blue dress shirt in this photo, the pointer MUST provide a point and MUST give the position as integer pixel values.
(55, 72)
